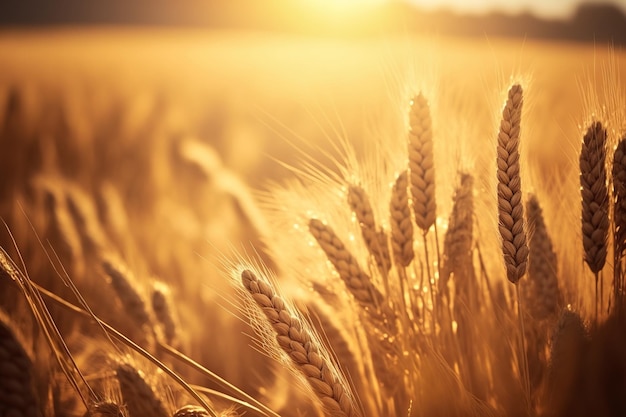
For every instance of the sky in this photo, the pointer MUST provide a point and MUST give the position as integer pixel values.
(543, 8)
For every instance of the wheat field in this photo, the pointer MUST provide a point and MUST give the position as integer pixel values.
(246, 223)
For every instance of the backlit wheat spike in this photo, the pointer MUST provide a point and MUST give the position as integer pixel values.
(63, 225)
(357, 281)
(191, 411)
(400, 220)
(544, 294)
(164, 311)
(17, 384)
(122, 281)
(619, 215)
(457, 243)
(375, 240)
(85, 215)
(510, 207)
(106, 409)
(138, 395)
(303, 349)
(422, 163)
(195, 411)
(595, 196)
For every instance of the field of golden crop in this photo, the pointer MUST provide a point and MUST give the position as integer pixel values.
(159, 186)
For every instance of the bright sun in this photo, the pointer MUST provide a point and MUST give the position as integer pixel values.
(342, 6)
(344, 15)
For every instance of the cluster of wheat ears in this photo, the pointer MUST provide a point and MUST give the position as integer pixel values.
(397, 320)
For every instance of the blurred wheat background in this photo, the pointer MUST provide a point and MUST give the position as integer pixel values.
(159, 183)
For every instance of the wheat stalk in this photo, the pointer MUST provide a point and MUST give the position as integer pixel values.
(401, 224)
(510, 207)
(17, 379)
(421, 163)
(595, 201)
(511, 212)
(138, 395)
(302, 347)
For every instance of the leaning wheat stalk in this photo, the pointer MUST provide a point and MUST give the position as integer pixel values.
(356, 280)
(306, 353)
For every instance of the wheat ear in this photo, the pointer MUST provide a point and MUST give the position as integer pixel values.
(375, 240)
(106, 409)
(457, 243)
(122, 281)
(510, 207)
(422, 163)
(595, 201)
(164, 312)
(372, 302)
(195, 411)
(400, 220)
(85, 215)
(138, 395)
(357, 281)
(595, 197)
(619, 214)
(543, 295)
(17, 384)
(298, 342)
